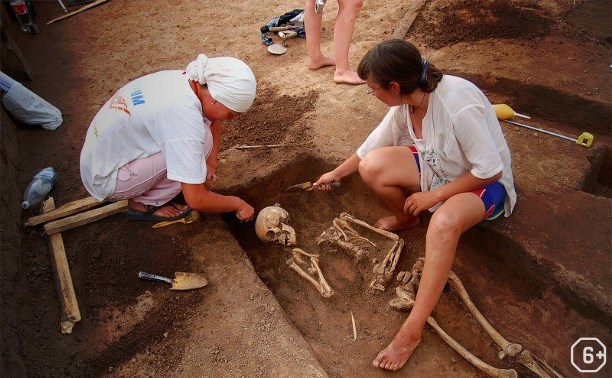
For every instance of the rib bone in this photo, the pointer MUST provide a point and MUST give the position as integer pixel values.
(322, 286)
(481, 365)
(508, 348)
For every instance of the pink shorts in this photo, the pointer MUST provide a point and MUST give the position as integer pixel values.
(144, 180)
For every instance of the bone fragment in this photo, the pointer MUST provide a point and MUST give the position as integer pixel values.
(527, 360)
(354, 327)
(383, 271)
(478, 363)
(404, 301)
(351, 235)
(356, 252)
(61, 271)
(547, 366)
(508, 348)
(322, 286)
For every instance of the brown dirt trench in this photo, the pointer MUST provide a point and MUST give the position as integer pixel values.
(541, 276)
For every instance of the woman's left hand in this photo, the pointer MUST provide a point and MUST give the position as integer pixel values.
(419, 201)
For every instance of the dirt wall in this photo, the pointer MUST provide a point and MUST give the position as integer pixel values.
(11, 364)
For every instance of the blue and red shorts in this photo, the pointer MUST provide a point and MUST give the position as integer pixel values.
(492, 195)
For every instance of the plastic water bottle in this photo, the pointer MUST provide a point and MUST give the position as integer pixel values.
(39, 187)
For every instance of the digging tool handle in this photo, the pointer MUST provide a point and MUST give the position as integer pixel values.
(540, 130)
(154, 277)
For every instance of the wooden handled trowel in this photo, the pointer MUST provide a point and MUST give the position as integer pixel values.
(308, 186)
(181, 281)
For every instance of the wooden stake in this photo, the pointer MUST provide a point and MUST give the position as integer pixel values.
(63, 211)
(98, 2)
(61, 271)
(85, 218)
(414, 7)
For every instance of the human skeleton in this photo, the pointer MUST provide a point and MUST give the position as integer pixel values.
(272, 226)
(406, 294)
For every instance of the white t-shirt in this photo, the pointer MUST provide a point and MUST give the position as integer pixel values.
(461, 133)
(156, 112)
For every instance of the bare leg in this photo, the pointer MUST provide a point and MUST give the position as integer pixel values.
(343, 33)
(392, 173)
(312, 25)
(452, 219)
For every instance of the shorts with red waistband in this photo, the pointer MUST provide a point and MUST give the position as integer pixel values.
(492, 195)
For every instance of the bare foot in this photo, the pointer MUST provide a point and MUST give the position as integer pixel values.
(168, 211)
(323, 61)
(394, 357)
(393, 224)
(348, 77)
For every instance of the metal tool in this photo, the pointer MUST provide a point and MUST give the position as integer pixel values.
(181, 281)
(585, 139)
(308, 186)
(319, 5)
(192, 217)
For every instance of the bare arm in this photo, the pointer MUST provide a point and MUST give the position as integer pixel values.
(201, 199)
(349, 166)
(467, 182)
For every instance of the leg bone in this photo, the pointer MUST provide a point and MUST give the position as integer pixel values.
(322, 286)
(354, 220)
(507, 347)
(478, 363)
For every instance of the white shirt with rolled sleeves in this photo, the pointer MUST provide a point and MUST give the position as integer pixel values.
(461, 133)
(156, 112)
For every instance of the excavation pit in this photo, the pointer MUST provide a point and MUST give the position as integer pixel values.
(518, 294)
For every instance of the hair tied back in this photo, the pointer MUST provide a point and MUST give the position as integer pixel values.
(424, 72)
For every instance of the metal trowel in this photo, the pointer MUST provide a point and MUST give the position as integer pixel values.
(181, 281)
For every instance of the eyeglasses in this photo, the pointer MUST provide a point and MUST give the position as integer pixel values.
(370, 90)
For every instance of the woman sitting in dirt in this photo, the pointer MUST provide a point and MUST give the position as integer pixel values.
(160, 135)
(440, 147)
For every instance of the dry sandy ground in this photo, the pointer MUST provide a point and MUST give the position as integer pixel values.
(528, 274)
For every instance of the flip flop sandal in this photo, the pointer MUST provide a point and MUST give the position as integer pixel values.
(134, 215)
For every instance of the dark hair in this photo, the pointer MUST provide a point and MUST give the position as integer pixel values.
(399, 61)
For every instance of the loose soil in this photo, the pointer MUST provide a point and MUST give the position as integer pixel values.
(549, 59)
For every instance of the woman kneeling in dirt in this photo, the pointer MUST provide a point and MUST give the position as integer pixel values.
(440, 147)
(160, 135)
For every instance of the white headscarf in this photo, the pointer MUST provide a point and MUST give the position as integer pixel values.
(229, 80)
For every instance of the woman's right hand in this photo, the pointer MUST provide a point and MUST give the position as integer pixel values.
(326, 179)
(245, 212)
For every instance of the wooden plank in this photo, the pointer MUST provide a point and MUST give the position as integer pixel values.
(81, 9)
(85, 218)
(414, 7)
(63, 211)
(17, 51)
(63, 279)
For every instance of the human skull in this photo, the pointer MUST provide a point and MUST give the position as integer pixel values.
(272, 226)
